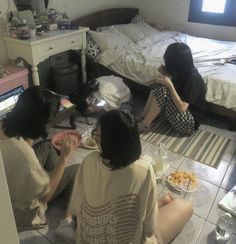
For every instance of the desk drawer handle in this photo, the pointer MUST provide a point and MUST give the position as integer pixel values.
(50, 48)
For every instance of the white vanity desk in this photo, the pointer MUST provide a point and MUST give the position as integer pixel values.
(39, 48)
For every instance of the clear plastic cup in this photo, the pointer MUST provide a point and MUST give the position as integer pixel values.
(159, 155)
(187, 193)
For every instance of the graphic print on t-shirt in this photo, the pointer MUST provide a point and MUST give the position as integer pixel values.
(114, 223)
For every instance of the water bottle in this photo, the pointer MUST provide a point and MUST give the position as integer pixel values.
(223, 227)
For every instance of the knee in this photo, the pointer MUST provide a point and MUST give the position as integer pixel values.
(185, 208)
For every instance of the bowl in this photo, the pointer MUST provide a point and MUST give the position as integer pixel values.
(57, 138)
(182, 179)
(88, 142)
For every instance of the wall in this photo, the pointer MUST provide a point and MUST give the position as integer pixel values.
(74, 8)
(8, 232)
(174, 14)
(5, 7)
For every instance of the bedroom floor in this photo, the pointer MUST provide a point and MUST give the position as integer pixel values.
(213, 185)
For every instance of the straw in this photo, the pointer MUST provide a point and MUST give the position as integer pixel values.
(188, 183)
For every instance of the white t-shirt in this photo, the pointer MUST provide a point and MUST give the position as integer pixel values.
(114, 206)
(27, 182)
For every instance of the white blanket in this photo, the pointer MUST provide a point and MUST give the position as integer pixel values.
(140, 61)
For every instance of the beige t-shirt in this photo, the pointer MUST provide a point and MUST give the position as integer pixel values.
(114, 206)
(27, 182)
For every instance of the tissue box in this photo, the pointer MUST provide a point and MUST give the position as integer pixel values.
(16, 76)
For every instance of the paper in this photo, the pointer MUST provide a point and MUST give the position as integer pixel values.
(228, 203)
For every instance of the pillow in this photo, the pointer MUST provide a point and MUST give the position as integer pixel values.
(92, 48)
(139, 18)
(110, 38)
(138, 31)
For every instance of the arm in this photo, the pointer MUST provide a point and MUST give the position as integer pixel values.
(56, 175)
(180, 105)
(149, 223)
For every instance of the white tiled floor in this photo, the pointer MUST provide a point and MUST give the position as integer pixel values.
(213, 184)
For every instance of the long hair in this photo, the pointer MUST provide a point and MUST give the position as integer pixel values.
(178, 59)
(120, 141)
(35, 107)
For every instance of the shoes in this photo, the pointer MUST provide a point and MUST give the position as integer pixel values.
(143, 128)
(65, 232)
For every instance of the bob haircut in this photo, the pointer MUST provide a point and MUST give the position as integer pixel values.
(35, 107)
(178, 59)
(120, 141)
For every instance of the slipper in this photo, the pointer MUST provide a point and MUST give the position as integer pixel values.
(143, 128)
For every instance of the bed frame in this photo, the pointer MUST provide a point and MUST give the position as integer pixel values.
(123, 16)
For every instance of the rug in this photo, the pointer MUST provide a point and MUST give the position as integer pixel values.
(203, 146)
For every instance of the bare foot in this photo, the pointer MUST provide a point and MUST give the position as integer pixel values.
(143, 128)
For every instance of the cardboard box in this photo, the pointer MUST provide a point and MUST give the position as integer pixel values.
(17, 76)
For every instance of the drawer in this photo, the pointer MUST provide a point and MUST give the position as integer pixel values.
(48, 48)
(71, 41)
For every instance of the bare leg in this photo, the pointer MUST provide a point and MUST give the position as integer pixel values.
(151, 114)
(148, 104)
(172, 217)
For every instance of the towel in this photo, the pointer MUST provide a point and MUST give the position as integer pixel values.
(228, 203)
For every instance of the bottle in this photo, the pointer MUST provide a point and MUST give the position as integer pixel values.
(23, 30)
(223, 227)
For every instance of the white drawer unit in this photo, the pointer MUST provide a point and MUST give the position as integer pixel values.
(39, 48)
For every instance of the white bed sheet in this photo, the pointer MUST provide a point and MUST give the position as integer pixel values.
(140, 61)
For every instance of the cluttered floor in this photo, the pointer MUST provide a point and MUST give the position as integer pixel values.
(213, 184)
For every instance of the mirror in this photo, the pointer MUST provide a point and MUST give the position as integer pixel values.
(39, 6)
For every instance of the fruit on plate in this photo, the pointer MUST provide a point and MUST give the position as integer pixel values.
(183, 179)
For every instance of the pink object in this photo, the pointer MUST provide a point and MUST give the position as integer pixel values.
(17, 76)
(58, 138)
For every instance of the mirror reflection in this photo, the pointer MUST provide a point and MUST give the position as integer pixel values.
(38, 6)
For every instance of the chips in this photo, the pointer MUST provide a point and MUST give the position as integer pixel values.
(183, 178)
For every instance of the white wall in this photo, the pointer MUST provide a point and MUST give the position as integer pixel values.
(74, 8)
(8, 232)
(174, 13)
(5, 7)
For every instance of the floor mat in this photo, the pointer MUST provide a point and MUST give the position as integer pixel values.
(203, 146)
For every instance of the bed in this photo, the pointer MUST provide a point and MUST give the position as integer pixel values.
(137, 60)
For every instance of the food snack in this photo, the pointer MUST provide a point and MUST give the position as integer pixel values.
(183, 179)
(89, 142)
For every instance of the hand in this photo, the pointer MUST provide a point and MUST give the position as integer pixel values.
(164, 80)
(69, 143)
(165, 200)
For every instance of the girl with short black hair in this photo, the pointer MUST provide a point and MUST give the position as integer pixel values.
(114, 196)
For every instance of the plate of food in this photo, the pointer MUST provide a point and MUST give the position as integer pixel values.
(182, 179)
(57, 139)
(87, 142)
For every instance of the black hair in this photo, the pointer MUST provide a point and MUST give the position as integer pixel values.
(178, 59)
(35, 107)
(120, 141)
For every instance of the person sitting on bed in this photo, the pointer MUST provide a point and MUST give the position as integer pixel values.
(179, 91)
(115, 197)
(35, 175)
